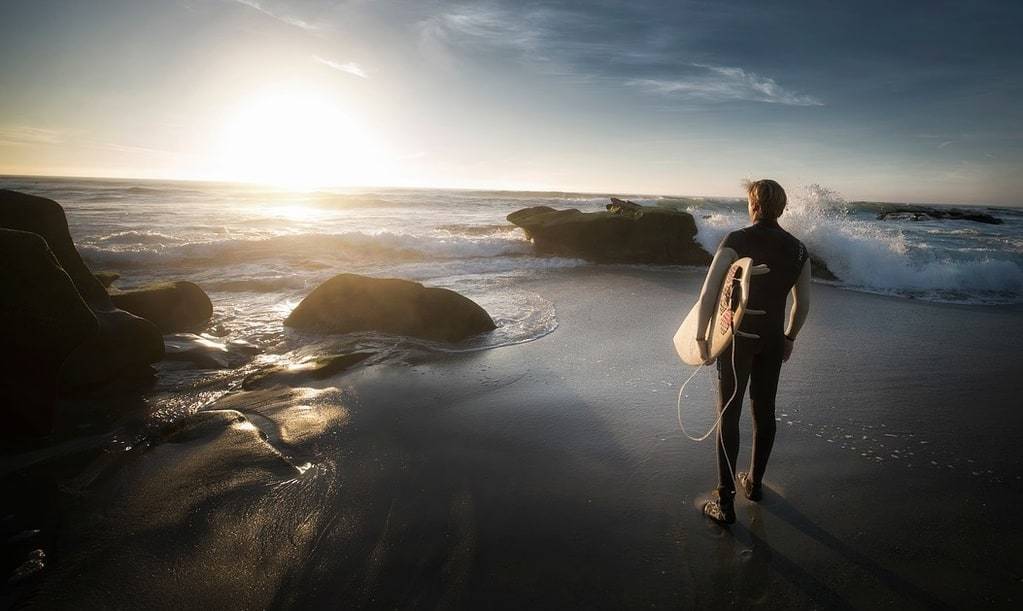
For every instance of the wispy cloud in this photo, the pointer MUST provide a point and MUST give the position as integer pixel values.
(585, 48)
(24, 134)
(278, 14)
(349, 67)
(723, 83)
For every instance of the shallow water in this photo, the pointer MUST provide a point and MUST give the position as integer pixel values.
(258, 251)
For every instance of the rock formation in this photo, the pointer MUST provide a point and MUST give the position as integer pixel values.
(625, 233)
(349, 303)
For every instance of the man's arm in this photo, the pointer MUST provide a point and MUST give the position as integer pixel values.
(800, 308)
(723, 259)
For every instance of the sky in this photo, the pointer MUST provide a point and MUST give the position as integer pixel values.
(883, 101)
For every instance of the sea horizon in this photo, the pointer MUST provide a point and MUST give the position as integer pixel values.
(737, 196)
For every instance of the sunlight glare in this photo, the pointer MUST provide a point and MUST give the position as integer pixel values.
(296, 139)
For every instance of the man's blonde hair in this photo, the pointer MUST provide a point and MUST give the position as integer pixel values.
(766, 199)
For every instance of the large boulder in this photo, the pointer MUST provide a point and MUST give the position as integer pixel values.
(625, 233)
(45, 218)
(348, 303)
(171, 306)
(44, 320)
(120, 344)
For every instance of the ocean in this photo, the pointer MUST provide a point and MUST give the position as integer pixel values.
(257, 251)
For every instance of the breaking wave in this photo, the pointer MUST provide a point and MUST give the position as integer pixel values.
(925, 260)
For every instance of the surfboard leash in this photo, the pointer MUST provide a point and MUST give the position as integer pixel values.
(717, 423)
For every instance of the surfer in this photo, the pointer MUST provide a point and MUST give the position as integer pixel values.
(757, 360)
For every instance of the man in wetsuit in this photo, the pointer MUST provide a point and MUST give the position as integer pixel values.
(763, 341)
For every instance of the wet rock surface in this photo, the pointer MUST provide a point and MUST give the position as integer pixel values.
(314, 369)
(207, 352)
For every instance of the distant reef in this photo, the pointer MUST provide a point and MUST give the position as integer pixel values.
(925, 213)
(625, 233)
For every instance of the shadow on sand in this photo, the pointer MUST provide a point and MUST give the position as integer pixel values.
(761, 556)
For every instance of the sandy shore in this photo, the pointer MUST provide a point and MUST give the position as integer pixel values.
(552, 474)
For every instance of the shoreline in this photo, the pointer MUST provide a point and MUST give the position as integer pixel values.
(483, 478)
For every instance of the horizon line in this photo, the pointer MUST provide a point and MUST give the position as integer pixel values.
(283, 188)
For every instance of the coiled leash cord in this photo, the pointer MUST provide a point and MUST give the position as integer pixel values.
(717, 423)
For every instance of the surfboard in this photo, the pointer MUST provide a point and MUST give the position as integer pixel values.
(728, 312)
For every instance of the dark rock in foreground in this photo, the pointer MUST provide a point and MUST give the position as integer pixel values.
(56, 312)
(921, 213)
(171, 306)
(626, 233)
(348, 303)
(45, 217)
(44, 320)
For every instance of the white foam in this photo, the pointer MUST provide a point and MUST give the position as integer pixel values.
(878, 256)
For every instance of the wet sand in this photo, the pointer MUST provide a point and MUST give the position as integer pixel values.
(552, 474)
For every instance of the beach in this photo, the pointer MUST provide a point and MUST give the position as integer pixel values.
(553, 474)
(311, 304)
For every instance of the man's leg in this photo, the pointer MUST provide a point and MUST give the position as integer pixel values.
(764, 374)
(728, 434)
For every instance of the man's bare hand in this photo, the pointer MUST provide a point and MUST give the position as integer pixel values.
(787, 351)
(704, 352)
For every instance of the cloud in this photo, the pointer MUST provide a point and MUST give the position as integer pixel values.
(472, 30)
(278, 15)
(349, 67)
(24, 134)
(615, 49)
(722, 83)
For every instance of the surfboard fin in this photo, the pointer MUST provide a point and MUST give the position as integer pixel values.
(744, 334)
(758, 270)
(756, 312)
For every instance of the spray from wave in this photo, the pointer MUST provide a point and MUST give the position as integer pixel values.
(915, 259)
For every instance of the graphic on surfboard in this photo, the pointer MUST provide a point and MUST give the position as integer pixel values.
(729, 310)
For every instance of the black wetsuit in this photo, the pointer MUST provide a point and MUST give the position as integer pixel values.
(757, 361)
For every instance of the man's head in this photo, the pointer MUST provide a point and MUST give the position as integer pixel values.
(766, 199)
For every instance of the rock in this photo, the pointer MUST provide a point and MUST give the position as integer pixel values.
(107, 278)
(171, 306)
(624, 207)
(43, 319)
(120, 345)
(819, 269)
(123, 348)
(205, 352)
(624, 234)
(45, 218)
(348, 303)
(922, 213)
(314, 369)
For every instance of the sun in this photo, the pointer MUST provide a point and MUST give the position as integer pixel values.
(296, 139)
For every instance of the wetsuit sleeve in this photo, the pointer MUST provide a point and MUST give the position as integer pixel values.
(800, 301)
(723, 259)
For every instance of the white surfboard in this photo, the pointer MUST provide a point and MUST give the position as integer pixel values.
(723, 320)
